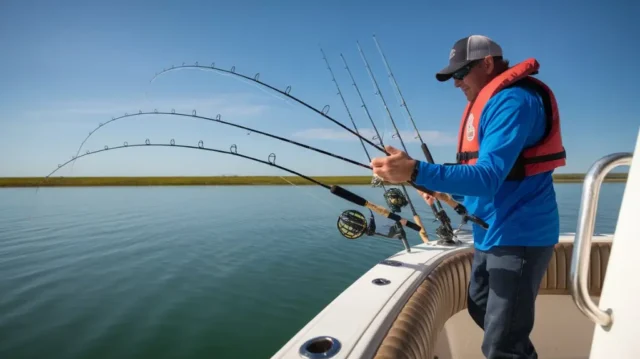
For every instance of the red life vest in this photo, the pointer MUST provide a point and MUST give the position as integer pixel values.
(545, 155)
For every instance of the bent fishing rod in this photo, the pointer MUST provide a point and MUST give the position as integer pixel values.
(445, 232)
(271, 161)
(388, 193)
(218, 119)
(458, 207)
(284, 93)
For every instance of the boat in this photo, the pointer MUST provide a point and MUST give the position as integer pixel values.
(413, 304)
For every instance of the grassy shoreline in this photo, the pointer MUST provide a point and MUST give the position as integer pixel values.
(227, 180)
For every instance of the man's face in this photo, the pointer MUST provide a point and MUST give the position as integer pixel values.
(473, 77)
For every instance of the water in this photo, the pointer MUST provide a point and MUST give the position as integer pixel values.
(186, 272)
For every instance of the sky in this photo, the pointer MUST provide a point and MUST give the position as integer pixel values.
(68, 66)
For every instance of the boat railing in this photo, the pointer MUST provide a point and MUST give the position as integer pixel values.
(584, 233)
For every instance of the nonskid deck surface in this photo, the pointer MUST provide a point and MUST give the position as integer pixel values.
(359, 319)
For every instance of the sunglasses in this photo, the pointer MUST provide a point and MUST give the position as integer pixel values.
(460, 74)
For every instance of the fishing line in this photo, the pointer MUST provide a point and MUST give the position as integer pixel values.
(458, 207)
(271, 161)
(308, 193)
(394, 199)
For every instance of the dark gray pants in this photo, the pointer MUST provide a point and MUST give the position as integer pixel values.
(502, 294)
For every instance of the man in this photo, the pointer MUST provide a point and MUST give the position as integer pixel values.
(509, 143)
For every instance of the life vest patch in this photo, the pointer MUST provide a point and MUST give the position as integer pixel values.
(470, 129)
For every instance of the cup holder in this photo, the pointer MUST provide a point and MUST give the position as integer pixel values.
(320, 347)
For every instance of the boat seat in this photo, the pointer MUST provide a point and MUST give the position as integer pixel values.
(443, 293)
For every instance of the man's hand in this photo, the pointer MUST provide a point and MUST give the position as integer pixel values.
(395, 168)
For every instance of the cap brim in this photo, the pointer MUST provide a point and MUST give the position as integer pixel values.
(446, 73)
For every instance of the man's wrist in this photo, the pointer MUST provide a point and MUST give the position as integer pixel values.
(415, 170)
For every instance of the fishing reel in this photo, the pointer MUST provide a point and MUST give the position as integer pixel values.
(352, 224)
(445, 231)
(376, 181)
(395, 199)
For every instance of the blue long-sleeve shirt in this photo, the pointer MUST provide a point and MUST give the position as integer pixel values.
(520, 213)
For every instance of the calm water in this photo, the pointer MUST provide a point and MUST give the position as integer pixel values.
(185, 272)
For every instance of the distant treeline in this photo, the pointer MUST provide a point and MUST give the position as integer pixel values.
(227, 180)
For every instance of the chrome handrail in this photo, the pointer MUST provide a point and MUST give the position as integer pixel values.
(582, 246)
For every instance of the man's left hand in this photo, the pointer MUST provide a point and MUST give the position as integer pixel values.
(395, 168)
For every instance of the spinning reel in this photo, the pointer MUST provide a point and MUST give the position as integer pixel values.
(395, 199)
(352, 224)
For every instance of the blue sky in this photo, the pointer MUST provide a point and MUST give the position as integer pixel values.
(68, 66)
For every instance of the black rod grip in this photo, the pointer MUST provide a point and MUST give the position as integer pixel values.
(348, 195)
(413, 226)
(479, 221)
(406, 222)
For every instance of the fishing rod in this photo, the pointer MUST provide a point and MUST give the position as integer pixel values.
(271, 161)
(392, 197)
(218, 119)
(442, 230)
(458, 207)
(284, 93)
(403, 104)
(445, 231)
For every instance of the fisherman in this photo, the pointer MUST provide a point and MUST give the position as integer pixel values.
(509, 143)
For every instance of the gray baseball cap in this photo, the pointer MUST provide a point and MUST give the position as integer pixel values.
(465, 51)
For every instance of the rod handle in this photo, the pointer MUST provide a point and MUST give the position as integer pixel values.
(423, 233)
(348, 195)
(457, 206)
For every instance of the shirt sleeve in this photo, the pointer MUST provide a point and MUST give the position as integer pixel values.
(506, 123)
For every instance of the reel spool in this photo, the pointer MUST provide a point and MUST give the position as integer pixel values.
(353, 224)
(376, 181)
(395, 199)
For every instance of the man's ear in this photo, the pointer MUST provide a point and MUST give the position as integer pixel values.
(488, 64)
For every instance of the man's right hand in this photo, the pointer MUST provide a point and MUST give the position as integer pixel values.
(427, 197)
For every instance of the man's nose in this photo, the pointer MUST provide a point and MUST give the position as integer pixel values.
(457, 82)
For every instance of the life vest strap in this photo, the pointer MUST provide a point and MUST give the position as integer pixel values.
(545, 158)
(517, 172)
(466, 156)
